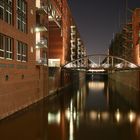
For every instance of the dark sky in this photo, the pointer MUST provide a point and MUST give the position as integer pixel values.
(98, 20)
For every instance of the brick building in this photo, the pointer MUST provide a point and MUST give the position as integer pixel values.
(34, 36)
(126, 43)
(136, 35)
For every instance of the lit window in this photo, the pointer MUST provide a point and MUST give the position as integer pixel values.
(22, 15)
(6, 10)
(21, 51)
(6, 47)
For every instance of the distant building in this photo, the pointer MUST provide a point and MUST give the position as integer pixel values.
(136, 35)
(127, 43)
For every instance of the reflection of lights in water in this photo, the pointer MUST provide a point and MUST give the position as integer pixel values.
(105, 115)
(74, 115)
(138, 126)
(54, 118)
(93, 115)
(131, 116)
(118, 115)
(78, 99)
(96, 85)
(71, 105)
(138, 122)
(67, 114)
(99, 116)
(71, 127)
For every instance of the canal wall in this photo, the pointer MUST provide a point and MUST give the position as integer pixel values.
(26, 87)
(127, 78)
(22, 87)
(127, 94)
(63, 78)
(127, 85)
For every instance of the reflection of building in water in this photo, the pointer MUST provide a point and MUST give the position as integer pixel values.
(96, 85)
(137, 126)
(113, 118)
(122, 96)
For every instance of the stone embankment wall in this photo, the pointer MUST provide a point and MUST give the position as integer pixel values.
(126, 84)
(128, 78)
(59, 79)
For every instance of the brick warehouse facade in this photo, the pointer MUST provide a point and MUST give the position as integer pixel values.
(35, 37)
(127, 43)
(136, 35)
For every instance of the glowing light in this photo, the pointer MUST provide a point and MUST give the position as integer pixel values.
(99, 116)
(93, 115)
(132, 65)
(120, 65)
(96, 85)
(105, 115)
(37, 29)
(131, 116)
(96, 70)
(54, 118)
(67, 114)
(118, 115)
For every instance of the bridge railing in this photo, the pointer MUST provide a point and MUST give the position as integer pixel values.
(100, 61)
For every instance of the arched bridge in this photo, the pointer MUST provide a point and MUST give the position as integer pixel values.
(99, 62)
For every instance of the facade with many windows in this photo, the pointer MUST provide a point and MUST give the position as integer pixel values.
(35, 41)
(17, 55)
(127, 43)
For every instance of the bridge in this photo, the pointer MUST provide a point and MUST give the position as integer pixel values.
(101, 63)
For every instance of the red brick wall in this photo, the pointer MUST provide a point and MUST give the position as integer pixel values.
(26, 82)
(136, 29)
(55, 41)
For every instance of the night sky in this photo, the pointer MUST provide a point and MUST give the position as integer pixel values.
(99, 20)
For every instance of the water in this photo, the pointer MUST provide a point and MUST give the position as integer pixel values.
(98, 110)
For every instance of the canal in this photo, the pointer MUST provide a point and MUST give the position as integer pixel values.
(92, 110)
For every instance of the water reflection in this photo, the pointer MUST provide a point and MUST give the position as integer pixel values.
(96, 111)
(96, 85)
(54, 118)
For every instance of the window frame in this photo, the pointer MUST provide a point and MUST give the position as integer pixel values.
(6, 47)
(22, 51)
(7, 14)
(21, 18)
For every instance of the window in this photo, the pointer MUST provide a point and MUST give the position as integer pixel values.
(21, 51)
(22, 15)
(6, 47)
(6, 11)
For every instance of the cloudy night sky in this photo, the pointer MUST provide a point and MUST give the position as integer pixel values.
(99, 20)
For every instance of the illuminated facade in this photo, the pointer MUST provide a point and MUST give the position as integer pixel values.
(77, 47)
(136, 35)
(34, 35)
(126, 43)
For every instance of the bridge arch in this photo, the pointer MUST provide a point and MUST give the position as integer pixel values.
(100, 61)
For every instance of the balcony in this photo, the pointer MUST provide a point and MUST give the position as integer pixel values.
(42, 43)
(42, 10)
(41, 61)
(54, 15)
(41, 28)
(73, 53)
